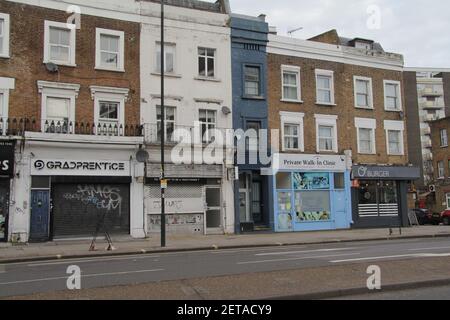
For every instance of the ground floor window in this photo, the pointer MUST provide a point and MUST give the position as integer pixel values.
(378, 198)
(447, 197)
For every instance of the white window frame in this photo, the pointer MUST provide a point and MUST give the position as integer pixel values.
(327, 73)
(72, 51)
(109, 94)
(297, 71)
(121, 54)
(206, 62)
(156, 62)
(443, 138)
(57, 90)
(6, 84)
(209, 135)
(399, 93)
(366, 79)
(390, 125)
(295, 118)
(441, 175)
(6, 36)
(329, 121)
(370, 124)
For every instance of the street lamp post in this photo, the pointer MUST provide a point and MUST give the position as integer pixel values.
(163, 134)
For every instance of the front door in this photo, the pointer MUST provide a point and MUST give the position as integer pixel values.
(40, 216)
(213, 219)
(256, 203)
(4, 207)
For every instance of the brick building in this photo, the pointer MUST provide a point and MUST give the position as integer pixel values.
(441, 165)
(70, 104)
(339, 101)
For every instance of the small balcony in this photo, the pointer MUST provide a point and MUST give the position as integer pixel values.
(204, 134)
(428, 157)
(430, 92)
(427, 145)
(431, 105)
(18, 126)
(426, 131)
(430, 118)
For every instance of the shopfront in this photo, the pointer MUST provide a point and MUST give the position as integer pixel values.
(312, 192)
(7, 149)
(380, 195)
(72, 198)
(195, 199)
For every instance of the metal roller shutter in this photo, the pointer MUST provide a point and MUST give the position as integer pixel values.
(78, 208)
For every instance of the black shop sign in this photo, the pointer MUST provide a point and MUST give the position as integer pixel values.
(7, 158)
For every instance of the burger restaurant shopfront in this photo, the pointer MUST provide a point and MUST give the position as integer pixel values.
(7, 149)
(312, 192)
(380, 195)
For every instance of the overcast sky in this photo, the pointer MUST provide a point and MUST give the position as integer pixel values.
(418, 29)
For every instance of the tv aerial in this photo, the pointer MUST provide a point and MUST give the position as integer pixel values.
(290, 32)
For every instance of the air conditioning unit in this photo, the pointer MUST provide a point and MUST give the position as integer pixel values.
(432, 188)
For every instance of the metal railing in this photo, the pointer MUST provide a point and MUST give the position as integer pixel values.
(18, 126)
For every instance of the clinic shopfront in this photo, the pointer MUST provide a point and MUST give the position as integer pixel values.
(312, 192)
(7, 149)
(379, 195)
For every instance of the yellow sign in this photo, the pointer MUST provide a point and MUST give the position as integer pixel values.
(164, 184)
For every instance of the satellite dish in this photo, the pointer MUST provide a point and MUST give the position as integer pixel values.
(51, 67)
(142, 156)
(226, 110)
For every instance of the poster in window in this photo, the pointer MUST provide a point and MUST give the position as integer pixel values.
(312, 206)
(311, 181)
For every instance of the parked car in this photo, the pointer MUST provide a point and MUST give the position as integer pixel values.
(445, 217)
(425, 216)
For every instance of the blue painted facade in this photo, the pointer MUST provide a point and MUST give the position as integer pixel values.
(253, 192)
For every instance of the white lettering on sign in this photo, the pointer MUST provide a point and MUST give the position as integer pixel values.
(80, 167)
(4, 165)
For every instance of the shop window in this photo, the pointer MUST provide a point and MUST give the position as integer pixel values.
(378, 198)
(447, 196)
(311, 181)
(388, 192)
(368, 192)
(284, 180)
(339, 180)
(284, 201)
(312, 206)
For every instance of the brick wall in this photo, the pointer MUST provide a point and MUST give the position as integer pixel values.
(344, 109)
(27, 67)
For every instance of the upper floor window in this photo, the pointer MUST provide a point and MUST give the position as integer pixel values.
(444, 138)
(109, 113)
(291, 83)
(4, 35)
(169, 57)
(366, 135)
(394, 137)
(325, 87)
(363, 92)
(441, 170)
(392, 96)
(326, 131)
(292, 131)
(59, 43)
(110, 49)
(252, 81)
(206, 62)
(207, 119)
(169, 123)
(254, 129)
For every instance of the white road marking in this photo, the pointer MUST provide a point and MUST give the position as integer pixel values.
(418, 255)
(306, 251)
(300, 258)
(72, 261)
(434, 248)
(82, 276)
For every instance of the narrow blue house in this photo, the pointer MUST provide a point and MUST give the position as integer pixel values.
(253, 191)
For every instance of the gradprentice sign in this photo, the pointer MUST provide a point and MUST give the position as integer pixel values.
(43, 167)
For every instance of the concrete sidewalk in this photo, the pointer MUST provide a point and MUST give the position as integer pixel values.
(10, 253)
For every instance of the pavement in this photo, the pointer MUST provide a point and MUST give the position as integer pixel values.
(292, 272)
(64, 249)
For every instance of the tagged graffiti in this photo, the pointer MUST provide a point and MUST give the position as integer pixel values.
(103, 197)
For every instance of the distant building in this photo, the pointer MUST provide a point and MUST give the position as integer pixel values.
(427, 98)
(440, 130)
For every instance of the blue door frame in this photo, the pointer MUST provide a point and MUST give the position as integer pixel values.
(40, 216)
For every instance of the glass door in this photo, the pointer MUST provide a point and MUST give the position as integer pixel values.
(214, 219)
(4, 204)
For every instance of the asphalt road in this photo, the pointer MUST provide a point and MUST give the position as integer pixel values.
(40, 277)
(436, 293)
